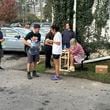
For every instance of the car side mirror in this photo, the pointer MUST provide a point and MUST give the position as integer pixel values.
(18, 37)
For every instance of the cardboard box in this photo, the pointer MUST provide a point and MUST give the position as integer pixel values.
(101, 69)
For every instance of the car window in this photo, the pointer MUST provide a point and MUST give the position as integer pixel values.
(10, 33)
(23, 31)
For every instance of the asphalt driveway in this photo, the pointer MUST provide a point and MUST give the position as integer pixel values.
(18, 93)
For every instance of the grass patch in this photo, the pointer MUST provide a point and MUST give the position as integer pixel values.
(89, 74)
(41, 67)
(105, 78)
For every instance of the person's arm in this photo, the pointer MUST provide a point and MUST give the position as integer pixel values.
(2, 40)
(54, 42)
(57, 40)
(26, 43)
(73, 34)
(39, 37)
(47, 43)
(1, 37)
(47, 40)
(25, 40)
(71, 50)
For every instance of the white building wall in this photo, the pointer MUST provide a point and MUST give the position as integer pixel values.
(105, 30)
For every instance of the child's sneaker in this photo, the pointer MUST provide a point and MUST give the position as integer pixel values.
(72, 68)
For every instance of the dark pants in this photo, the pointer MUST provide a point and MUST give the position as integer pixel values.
(48, 54)
(1, 54)
(65, 45)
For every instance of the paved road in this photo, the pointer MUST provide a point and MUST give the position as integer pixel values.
(18, 93)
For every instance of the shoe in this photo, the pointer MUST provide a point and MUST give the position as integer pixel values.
(72, 68)
(55, 77)
(34, 74)
(1, 68)
(29, 76)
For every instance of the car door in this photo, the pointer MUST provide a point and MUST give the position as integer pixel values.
(13, 41)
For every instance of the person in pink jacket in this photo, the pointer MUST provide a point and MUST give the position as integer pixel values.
(77, 53)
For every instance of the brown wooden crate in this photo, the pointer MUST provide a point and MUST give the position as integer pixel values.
(101, 69)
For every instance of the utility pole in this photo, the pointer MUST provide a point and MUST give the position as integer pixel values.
(74, 16)
(41, 13)
(23, 7)
(52, 15)
(34, 5)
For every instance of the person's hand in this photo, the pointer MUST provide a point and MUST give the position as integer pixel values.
(50, 41)
(47, 40)
(2, 40)
(29, 44)
(70, 50)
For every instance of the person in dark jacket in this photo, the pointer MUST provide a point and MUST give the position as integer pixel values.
(1, 50)
(48, 50)
(67, 35)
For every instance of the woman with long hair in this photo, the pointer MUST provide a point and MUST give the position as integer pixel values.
(77, 53)
(48, 50)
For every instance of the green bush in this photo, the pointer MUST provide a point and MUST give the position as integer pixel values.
(85, 18)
